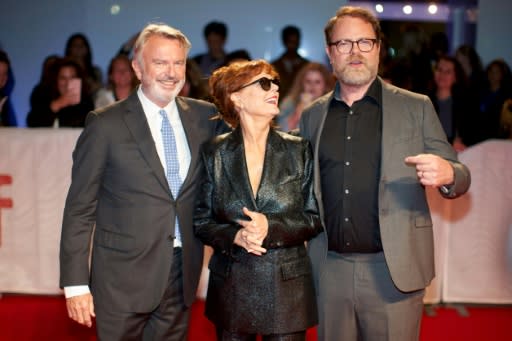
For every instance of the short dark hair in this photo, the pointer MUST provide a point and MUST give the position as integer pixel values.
(4, 58)
(216, 27)
(288, 31)
(354, 12)
(237, 55)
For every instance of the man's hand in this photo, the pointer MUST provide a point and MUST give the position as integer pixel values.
(81, 309)
(432, 170)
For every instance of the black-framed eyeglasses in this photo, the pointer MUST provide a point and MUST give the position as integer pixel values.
(346, 45)
(265, 83)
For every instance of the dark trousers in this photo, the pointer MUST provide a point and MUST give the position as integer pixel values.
(169, 321)
(358, 301)
(223, 335)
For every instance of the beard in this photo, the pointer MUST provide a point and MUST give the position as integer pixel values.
(162, 94)
(357, 76)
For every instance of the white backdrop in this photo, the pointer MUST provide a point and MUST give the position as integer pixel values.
(473, 234)
(478, 259)
(39, 162)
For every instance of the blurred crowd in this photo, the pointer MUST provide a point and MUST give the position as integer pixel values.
(473, 101)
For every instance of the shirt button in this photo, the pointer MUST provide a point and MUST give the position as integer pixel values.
(347, 244)
(347, 191)
(351, 112)
(348, 137)
(347, 163)
(346, 219)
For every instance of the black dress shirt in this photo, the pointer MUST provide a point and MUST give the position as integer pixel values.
(349, 155)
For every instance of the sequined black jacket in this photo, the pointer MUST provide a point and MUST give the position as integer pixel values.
(265, 294)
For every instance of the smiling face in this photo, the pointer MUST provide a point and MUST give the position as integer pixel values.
(254, 102)
(161, 69)
(355, 68)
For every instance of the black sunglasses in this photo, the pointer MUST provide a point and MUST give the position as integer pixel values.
(265, 83)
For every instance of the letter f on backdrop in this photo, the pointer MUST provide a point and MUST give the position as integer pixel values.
(4, 202)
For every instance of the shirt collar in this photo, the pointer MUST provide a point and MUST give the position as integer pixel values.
(151, 109)
(374, 92)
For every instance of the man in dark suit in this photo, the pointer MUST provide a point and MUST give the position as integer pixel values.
(290, 62)
(376, 148)
(144, 268)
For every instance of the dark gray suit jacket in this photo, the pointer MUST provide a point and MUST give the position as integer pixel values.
(410, 126)
(119, 185)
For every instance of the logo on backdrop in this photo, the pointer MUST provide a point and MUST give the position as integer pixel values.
(4, 202)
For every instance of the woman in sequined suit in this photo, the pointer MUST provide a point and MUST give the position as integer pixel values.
(257, 209)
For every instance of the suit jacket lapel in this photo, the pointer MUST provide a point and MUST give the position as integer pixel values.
(136, 122)
(277, 166)
(190, 126)
(316, 127)
(391, 125)
(235, 168)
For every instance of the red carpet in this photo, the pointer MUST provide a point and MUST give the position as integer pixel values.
(27, 318)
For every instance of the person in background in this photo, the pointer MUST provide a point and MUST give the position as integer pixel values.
(7, 114)
(471, 63)
(39, 92)
(290, 62)
(256, 208)
(439, 46)
(496, 90)
(196, 86)
(237, 56)
(79, 49)
(121, 82)
(215, 34)
(456, 111)
(313, 81)
(376, 147)
(127, 47)
(134, 181)
(414, 68)
(506, 120)
(65, 101)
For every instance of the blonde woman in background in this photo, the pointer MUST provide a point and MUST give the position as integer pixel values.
(121, 82)
(312, 81)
